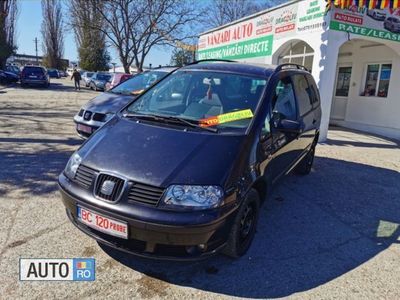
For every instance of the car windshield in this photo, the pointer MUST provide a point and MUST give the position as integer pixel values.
(210, 99)
(89, 74)
(103, 77)
(139, 83)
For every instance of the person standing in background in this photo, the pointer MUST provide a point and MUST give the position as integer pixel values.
(77, 79)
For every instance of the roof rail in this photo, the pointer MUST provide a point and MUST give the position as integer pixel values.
(291, 66)
(210, 60)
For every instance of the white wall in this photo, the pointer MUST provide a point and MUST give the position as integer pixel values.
(374, 114)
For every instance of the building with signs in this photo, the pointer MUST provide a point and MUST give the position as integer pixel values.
(352, 50)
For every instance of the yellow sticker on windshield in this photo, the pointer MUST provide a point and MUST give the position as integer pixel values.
(228, 117)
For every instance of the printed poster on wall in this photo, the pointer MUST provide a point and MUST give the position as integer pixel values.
(310, 16)
(376, 23)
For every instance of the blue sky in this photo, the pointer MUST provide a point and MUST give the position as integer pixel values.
(29, 24)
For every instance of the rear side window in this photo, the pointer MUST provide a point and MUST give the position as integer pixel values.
(302, 94)
(283, 102)
(313, 91)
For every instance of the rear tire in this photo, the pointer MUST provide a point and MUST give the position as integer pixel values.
(244, 226)
(305, 165)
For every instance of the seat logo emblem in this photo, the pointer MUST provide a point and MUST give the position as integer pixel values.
(107, 187)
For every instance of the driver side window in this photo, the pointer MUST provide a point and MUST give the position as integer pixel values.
(283, 101)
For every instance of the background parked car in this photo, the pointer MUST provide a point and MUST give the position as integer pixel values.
(392, 24)
(53, 73)
(34, 75)
(98, 81)
(116, 79)
(99, 110)
(8, 77)
(86, 77)
(62, 73)
(13, 69)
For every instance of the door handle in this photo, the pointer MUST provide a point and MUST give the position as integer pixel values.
(314, 121)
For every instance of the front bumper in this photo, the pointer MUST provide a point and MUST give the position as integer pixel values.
(177, 240)
(91, 123)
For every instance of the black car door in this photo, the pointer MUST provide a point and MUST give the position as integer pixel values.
(306, 113)
(282, 145)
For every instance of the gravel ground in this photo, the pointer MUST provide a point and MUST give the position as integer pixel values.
(333, 234)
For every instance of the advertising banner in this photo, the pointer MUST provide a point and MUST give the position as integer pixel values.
(250, 38)
(254, 37)
(377, 23)
(310, 16)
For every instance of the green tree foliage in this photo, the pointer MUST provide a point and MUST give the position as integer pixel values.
(8, 17)
(53, 34)
(181, 57)
(86, 20)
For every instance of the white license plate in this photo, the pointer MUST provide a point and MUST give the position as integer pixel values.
(102, 223)
(84, 128)
(32, 76)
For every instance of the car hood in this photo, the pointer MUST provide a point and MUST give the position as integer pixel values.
(161, 156)
(108, 103)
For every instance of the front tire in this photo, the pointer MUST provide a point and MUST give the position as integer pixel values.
(244, 226)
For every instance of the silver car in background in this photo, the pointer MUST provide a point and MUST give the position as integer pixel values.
(101, 109)
(86, 77)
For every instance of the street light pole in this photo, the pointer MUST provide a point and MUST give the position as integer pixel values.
(36, 41)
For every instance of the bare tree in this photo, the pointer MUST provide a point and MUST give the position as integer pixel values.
(8, 18)
(134, 27)
(53, 33)
(85, 19)
(225, 11)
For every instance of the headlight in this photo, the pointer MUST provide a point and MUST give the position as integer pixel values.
(72, 165)
(193, 196)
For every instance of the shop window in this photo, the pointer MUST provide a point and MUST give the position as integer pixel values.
(343, 82)
(377, 80)
(298, 53)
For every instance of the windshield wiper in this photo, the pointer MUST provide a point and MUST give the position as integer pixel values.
(173, 119)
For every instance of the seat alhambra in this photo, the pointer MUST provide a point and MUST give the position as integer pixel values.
(181, 172)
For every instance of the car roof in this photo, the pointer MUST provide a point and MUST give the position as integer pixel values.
(257, 69)
(163, 69)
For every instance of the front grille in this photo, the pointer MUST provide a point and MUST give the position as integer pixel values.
(103, 183)
(84, 176)
(144, 193)
(98, 117)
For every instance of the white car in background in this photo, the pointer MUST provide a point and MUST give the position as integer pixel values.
(377, 14)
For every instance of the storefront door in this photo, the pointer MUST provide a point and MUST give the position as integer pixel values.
(341, 94)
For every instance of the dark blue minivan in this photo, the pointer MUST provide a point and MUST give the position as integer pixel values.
(181, 171)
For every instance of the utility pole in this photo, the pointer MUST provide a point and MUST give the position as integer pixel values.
(36, 41)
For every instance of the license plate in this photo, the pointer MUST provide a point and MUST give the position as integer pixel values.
(32, 76)
(103, 223)
(84, 128)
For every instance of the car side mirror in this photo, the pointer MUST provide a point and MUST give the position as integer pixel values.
(290, 126)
